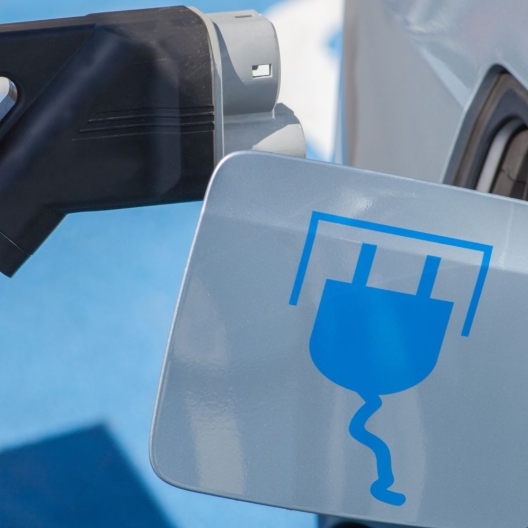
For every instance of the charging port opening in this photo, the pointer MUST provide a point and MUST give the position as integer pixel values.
(495, 158)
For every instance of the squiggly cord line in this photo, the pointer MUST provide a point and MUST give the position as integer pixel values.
(380, 488)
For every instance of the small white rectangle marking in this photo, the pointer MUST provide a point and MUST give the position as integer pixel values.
(261, 70)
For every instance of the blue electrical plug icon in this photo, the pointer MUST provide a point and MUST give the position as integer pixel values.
(377, 342)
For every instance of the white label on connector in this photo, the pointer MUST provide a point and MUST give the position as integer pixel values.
(261, 70)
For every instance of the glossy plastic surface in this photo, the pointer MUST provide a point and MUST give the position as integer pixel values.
(247, 407)
(110, 115)
(414, 69)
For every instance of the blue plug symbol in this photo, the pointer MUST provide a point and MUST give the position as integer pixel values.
(377, 342)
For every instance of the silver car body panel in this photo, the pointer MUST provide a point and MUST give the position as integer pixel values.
(414, 70)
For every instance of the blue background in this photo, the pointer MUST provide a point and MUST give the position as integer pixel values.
(83, 327)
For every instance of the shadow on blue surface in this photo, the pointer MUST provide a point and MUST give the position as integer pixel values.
(77, 479)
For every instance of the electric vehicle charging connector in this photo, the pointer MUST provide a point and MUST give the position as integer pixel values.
(128, 109)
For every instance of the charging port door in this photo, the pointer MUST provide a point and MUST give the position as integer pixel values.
(352, 344)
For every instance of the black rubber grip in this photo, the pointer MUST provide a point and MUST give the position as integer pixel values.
(114, 110)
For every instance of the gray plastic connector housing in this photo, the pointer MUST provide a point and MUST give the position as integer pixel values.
(247, 83)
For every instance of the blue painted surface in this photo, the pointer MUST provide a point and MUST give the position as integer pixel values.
(84, 324)
(374, 341)
(377, 342)
(380, 487)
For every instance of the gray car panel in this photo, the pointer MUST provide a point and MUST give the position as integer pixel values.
(244, 411)
(412, 71)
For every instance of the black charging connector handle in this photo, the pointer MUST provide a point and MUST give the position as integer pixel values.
(114, 110)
